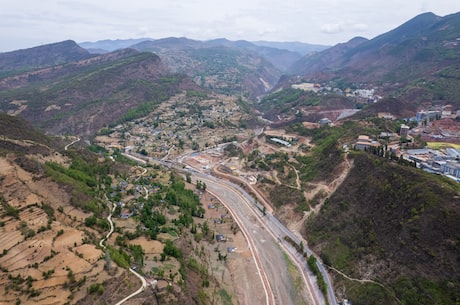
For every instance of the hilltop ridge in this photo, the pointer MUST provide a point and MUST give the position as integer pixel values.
(41, 56)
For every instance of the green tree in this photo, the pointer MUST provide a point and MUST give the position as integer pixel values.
(172, 250)
(107, 260)
(90, 221)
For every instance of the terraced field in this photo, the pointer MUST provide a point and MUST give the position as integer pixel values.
(44, 256)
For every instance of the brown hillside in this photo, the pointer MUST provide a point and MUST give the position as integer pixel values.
(41, 56)
(82, 97)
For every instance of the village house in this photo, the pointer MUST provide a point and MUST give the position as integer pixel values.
(221, 238)
(365, 142)
(386, 116)
(125, 214)
(325, 122)
(282, 142)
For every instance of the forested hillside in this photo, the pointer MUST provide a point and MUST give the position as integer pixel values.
(395, 225)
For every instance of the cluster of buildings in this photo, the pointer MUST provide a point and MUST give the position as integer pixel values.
(367, 95)
(436, 113)
(133, 208)
(442, 162)
(434, 124)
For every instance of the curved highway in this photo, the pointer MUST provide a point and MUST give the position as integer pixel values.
(269, 242)
(279, 231)
(267, 235)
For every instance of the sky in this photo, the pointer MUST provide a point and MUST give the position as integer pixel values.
(29, 23)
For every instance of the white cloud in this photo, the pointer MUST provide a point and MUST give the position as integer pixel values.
(26, 23)
(335, 28)
(331, 28)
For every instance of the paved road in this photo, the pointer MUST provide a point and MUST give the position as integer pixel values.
(140, 290)
(268, 293)
(267, 234)
(267, 246)
(279, 230)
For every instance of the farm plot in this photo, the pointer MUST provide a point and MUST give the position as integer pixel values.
(26, 253)
(150, 247)
(9, 239)
(34, 217)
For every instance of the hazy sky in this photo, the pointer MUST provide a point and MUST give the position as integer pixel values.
(28, 23)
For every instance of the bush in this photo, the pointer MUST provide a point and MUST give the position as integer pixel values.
(90, 221)
(172, 250)
(96, 288)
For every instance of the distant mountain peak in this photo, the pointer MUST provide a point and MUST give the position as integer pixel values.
(42, 56)
(61, 44)
(357, 40)
(411, 28)
(413, 49)
(109, 45)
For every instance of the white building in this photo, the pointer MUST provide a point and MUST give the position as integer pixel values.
(404, 131)
(365, 142)
(451, 169)
(364, 93)
(282, 142)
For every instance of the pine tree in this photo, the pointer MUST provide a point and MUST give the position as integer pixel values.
(107, 260)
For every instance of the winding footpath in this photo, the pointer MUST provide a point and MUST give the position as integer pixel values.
(109, 219)
(73, 142)
(101, 243)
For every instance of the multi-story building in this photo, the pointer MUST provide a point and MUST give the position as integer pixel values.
(428, 115)
(404, 131)
(451, 169)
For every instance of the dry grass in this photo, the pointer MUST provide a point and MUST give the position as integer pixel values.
(442, 145)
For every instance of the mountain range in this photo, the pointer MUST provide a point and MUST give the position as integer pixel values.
(390, 230)
(82, 96)
(111, 45)
(425, 47)
(418, 61)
